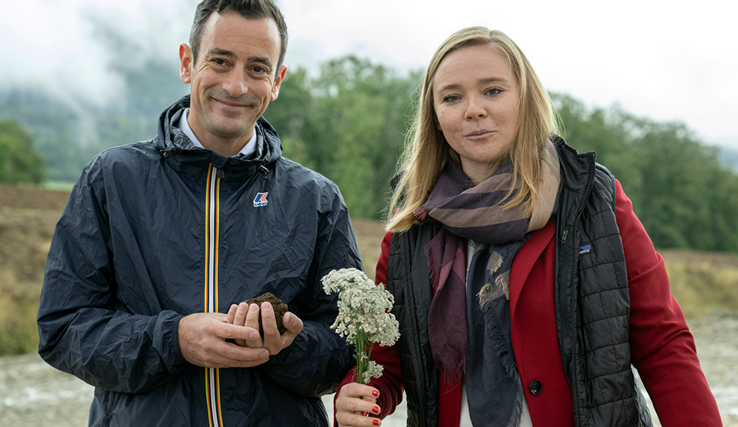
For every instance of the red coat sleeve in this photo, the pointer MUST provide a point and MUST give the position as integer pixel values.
(662, 347)
(390, 384)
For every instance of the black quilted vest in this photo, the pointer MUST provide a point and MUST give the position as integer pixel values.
(592, 304)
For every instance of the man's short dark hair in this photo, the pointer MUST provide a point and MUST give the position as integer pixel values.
(249, 9)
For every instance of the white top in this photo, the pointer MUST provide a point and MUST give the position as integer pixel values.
(465, 420)
(247, 149)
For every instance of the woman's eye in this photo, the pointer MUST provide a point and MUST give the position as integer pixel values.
(493, 91)
(450, 98)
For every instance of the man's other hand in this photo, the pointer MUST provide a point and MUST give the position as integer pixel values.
(202, 341)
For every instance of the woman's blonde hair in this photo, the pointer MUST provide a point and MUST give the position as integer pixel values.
(427, 152)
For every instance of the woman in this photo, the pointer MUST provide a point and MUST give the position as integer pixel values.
(524, 284)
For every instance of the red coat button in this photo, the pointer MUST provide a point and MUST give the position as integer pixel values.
(535, 387)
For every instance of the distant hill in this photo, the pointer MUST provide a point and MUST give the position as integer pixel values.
(729, 157)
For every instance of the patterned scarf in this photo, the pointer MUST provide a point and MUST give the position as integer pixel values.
(493, 388)
(465, 211)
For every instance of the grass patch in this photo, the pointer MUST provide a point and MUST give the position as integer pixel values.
(18, 307)
(369, 236)
(702, 283)
(57, 185)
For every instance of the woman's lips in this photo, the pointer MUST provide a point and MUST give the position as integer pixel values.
(478, 134)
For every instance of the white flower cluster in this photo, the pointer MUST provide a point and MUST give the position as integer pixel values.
(363, 307)
(363, 317)
(373, 370)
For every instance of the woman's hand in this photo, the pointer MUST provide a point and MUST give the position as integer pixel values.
(352, 404)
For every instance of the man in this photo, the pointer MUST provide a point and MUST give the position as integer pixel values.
(160, 239)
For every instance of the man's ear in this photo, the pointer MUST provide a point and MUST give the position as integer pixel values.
(185, 63)
(278, 82)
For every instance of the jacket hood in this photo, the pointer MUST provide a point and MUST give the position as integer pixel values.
(171, 141)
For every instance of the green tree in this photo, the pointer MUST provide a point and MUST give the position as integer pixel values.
(349, 124)
(291, 113)
(19, 162)
(683, 194)
(54, 127)
(686, 184)
(604, 131)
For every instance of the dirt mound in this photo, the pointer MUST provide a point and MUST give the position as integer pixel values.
(30, 197)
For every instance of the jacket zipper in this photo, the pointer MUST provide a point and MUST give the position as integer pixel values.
(212, 214)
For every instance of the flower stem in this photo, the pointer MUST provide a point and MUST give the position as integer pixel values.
(361, 362)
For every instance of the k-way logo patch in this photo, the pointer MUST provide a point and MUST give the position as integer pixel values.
(260, 200)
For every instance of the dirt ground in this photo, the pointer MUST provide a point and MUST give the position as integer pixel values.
(32, 197)
(27, 219)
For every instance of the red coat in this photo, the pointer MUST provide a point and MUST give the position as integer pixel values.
(662, 348)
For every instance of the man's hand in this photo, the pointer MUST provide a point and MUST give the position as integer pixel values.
(248, 316)
(202, 341)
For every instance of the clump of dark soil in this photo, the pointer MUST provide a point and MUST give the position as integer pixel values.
(279, 307)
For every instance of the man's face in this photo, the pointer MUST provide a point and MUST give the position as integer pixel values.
(234, 77)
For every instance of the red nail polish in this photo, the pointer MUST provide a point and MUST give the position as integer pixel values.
(375, 393)
(364, 414)
(375, 422)
(375, 409)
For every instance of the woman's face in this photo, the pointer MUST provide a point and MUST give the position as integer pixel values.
(476, 101)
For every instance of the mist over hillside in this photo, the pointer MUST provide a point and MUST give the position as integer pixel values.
(70, 127)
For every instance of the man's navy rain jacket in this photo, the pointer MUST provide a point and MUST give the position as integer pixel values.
(157, 230)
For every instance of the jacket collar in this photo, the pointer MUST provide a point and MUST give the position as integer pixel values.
(577, 173)
(577, 177)
(177, 147)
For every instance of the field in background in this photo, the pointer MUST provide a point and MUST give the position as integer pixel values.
(701, 282)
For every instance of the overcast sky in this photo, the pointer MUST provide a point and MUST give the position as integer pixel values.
(668, 60)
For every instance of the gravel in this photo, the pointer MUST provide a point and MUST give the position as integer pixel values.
(33, 393)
